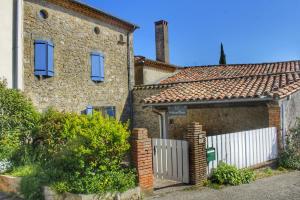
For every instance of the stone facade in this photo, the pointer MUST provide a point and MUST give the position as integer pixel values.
(216, 119)
(290, 107)
(71, 88)
(220, 119)
(145, 117)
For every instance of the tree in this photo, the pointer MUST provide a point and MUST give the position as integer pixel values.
(222, 60)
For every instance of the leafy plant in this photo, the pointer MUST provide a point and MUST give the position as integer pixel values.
(69, 152)
(18, 121)
(228, 174)
(290, 156)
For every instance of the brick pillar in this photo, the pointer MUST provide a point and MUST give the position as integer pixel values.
(142, 158)
(274, 121)
(196, 138)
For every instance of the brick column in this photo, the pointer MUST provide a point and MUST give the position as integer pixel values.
(274, 121)
(196, 138)
(142, 158)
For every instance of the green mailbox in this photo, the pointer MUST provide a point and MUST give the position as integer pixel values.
(210, 154)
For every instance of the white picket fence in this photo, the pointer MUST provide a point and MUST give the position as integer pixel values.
(244, 149)
(171, 159)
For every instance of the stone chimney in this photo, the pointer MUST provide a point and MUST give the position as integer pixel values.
(162, 41)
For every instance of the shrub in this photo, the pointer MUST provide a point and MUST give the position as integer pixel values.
(18, 120)
(290, 156)
(49, 138)
(228, 174)
(80, 154)
(92, 153)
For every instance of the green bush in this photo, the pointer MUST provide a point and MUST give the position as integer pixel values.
(18, 121)
(90, 160)
(50, 138)
(69, 152)
(228, 174)
(290, 156)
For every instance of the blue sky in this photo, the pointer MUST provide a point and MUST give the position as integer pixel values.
(251, 30)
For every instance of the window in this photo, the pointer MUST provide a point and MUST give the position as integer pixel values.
(97, 67)
(89, 110)
(44, 14)
(43, 58)
(97, 30)
(107, 111)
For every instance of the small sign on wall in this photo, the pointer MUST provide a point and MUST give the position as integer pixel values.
(177, 110)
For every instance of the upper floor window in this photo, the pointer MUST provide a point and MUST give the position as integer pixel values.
(44, 14)
(43, 58)
(97, 67)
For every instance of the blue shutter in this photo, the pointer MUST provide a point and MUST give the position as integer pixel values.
(50, 69)
(43, 58)
(102, 67)
(40, 58)
(89, 110)
(97, 65)
(111, 111)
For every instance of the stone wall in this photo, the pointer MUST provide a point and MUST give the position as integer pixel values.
(291, 111)
(145, 117)
(71, 88)
(220, 119)
(216, 119)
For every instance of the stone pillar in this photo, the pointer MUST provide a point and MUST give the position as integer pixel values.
(274, 121)
(196, 138)
(142, 158)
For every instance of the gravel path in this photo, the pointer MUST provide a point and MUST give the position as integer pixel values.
(280, 187)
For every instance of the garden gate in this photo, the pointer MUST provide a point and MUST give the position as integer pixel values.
(170, 159)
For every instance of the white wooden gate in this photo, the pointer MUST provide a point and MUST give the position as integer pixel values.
(170, 159)
(244, 149)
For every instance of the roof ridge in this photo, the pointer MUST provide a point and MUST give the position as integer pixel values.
(160, 85)
(240, 64)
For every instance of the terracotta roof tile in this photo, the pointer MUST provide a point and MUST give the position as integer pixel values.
(229, 82)
(198, 73)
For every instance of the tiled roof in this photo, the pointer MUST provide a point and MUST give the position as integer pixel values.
(230, 82)
(229, 71)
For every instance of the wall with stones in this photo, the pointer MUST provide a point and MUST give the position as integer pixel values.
(71, 88)
(144, 117)
(291, 111)
(220, 119)
(216, 119)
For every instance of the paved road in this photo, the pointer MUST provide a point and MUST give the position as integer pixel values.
(281, 187)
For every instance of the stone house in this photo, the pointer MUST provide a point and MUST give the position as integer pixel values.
(222, 98)
(76, 58)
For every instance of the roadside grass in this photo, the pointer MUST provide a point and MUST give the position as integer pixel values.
(268, 171)
(259, 174)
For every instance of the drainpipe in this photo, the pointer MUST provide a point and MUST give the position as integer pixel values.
(129, 82)
(18, 45)
(161, 122)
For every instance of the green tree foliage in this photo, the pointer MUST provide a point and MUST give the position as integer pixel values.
(222, 60)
